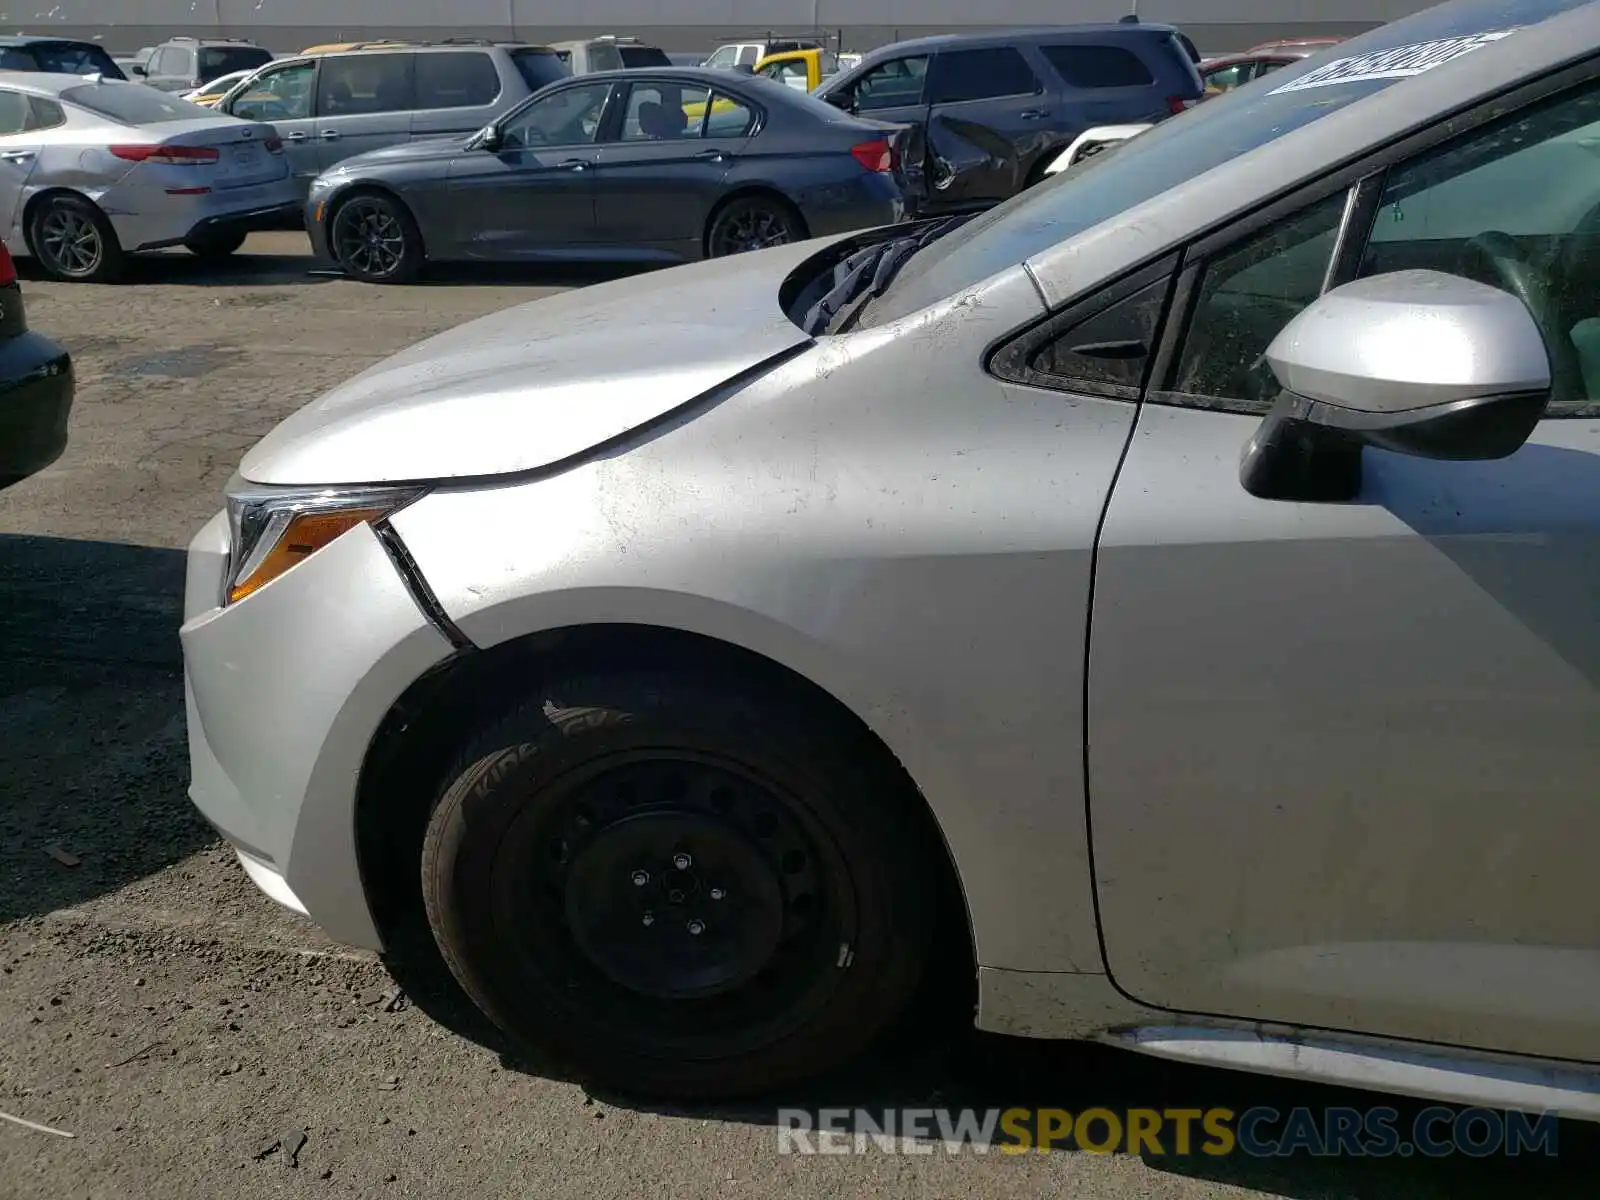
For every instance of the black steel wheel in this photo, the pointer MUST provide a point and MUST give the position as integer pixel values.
(214, 247)
(752, 223)
(376, 240)
(671, 889)
(73, 240)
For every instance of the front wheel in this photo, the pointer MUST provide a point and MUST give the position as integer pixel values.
(376, 240)
(73, 241)
(672, 889)
(752, 223)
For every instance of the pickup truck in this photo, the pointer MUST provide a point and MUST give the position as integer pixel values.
(802, 69)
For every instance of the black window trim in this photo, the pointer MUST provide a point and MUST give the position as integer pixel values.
(1011, 358)
(930, 78)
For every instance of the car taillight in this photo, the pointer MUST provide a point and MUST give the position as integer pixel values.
(274, 145)
(8, 269)
(1178, 104)
(874, 156)
(180, 156)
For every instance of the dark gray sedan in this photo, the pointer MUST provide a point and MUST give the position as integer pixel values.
(663, 165)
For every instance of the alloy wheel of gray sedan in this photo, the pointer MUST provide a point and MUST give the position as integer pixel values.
(376, 240)
(752, 224)
(74, 241)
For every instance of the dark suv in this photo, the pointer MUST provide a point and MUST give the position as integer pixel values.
(185, 63)
(57, 56)
(995, 109)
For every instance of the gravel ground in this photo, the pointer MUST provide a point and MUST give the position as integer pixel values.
(201, 1042)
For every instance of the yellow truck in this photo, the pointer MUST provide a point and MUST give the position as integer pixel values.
(802, 70)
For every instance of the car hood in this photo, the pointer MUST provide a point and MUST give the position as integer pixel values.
(541, 382)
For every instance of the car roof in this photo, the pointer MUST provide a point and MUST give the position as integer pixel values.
(1040, 33)
(53, 83)
(42, 39)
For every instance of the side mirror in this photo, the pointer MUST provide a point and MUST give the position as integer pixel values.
(487, 138)
(1416, 362)
(843, 99)
(136, 69)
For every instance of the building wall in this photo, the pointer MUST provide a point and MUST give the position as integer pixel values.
(288, 25)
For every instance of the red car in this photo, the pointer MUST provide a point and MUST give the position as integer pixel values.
(1230, 70)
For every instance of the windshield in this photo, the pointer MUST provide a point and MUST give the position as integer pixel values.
(216, 61)
(134, 104)
(539, 67)
(1207, 136)
(61, 58)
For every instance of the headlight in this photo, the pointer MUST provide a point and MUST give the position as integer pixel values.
(274, 529)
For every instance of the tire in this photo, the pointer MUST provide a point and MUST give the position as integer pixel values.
(752, 223)
(73, 241)
(215, 247)
(571, 870)
(375, 239)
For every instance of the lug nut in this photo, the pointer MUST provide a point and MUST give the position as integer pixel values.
(649, 918)
(717, 893)
(696, 928)
(640, 878)
(682, 861)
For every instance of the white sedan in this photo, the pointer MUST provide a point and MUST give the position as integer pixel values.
(92, 170)
(1092, 141)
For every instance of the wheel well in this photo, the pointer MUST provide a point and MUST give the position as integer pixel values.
(32, 206)
(746, 193)
(416, 746)
(356, 191)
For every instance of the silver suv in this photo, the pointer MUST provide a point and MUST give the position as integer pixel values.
(181, 64)
(328, 107)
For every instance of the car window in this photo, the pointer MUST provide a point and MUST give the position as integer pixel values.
(1467, 208)
(644, 56)
(13, 113)
(221, 60)
(1204, 138)
(723, 56)
(44, 114)
(898, 83)
(1225, 79)
(539, 68)
(1083, 65)
(729, 118)
(456, 79)
(791, 73)
(358, 84)
(1248, 294)
(570, 117)
(749, 56)
(64, 58)
(282, 95)
(981, 75)
(659, 112)
(1267, 66)
(134, 104)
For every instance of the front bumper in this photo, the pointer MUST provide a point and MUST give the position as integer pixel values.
(36, 390)
(285, 691)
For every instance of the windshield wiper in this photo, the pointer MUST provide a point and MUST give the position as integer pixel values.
(849, 277)
(866, 275)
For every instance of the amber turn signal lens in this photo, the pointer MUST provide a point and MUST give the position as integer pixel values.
(305, 534)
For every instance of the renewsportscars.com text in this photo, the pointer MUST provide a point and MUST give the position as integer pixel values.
(1260, 1132)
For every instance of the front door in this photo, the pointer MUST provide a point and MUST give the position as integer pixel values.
(657, 182)
(1344, 759)
(364, 102)
(991, 118)
(533, 195)
(281, 96)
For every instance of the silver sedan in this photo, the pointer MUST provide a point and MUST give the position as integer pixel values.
(1175, 592)
(92, 170)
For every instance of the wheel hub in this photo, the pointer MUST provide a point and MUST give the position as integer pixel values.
(674, 903)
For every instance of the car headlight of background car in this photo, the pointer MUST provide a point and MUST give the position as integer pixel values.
(271, 530)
